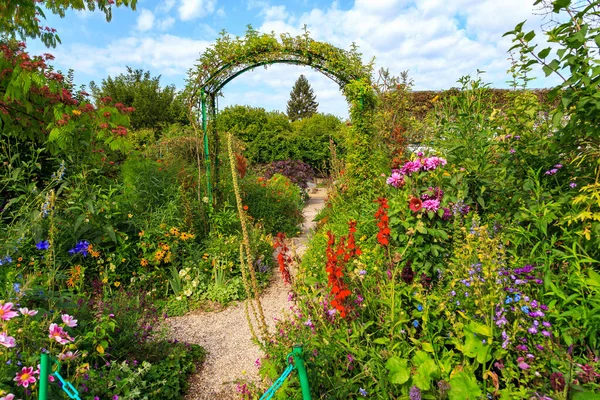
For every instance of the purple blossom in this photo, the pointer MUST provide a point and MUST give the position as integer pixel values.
(533, 330)
(410, 167)
(522, 364)
(415, 393)
(42, 245)
(432, 163)
(81, 247)
(447, 214)
(431, 205)
(552, 171)
(396, 180)
(546, 333)
(573, 185)
(512, 151)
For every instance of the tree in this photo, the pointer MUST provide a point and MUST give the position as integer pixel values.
(154, 106)
(22, 18)
(302, 102)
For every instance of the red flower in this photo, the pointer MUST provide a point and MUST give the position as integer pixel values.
(383, 222)
(283, 258)
(415, 204)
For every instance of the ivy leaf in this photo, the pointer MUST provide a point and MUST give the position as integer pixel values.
(463, 387)
(399, 372)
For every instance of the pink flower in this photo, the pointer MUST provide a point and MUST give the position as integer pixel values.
(9, 396)
(6, 312)
(396, 180)
(7, 341)
(57, 333)
(69, 321)
(27, 311)
(522, 364)
(432, 163)
(410, 167)
(69, 355)
(25, 377)
(431, 205)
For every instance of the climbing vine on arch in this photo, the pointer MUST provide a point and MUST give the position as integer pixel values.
(230, 57)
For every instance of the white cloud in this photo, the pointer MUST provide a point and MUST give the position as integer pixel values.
(221, 12)
(167, 55)
(145, 21)
(274, 13)
(192, 9)
(165, 24)
(164, 6)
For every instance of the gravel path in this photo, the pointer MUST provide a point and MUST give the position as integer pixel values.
(225, 334)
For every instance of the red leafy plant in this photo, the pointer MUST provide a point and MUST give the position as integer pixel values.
(383, 220)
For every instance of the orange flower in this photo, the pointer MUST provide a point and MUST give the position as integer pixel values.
(245, 208)
(144, 262)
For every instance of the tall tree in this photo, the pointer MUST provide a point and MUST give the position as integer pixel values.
(155, 106)
(302, 102)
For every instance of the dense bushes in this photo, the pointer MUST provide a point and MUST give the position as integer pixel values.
(269, 136)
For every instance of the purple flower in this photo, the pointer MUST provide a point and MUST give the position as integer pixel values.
(546, 333)
(552, 171)
(410, 167)
(81, 247)
(396, 180)
(558, 166)
(447, 214)
(362, 272)
(362, 392)
(512, 151)
(415, 393)
(522, 364)
(432, 163)
(547, 324)
(42, 245)
(522, 347)
(431, 205)
(350, 358)
(573, 185)
(533, 330)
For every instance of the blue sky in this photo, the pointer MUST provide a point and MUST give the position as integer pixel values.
(437, 41)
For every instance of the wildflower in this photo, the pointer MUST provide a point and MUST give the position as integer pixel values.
(245, 208)
(420, 307)
(407, 274)
(415, 204)
(9, 396)
(415, 323)
(431, 205)
(283, 258)
(69, 320)
(447, 214)
(432, 163)
(552, 171)
(396, 180)
(80, 248)
(414, 393)
(533, 330)
(57, 333)
(6, 312)
(546, 333)
(143, 262)
(557, 381)
(69, 355)
(410, 167)
(382, 222)
(522, 364)
(512, 151)
(42, 245)
(558, 166)
(573, 185)
(27, 312)
(7, 341)
(362, 392)
(25, 377)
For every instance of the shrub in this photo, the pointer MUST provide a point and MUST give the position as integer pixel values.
(296, 171)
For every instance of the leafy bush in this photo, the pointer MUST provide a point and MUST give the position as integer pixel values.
(296, 171)
(276, 203)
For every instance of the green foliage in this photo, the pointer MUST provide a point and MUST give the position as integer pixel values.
(154, 106)
(302, 103)
(276, 203)
(20, 18)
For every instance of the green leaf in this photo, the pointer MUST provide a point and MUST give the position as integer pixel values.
(463, 387)
(427, 347)
(529, 36)
(381, 340)
(399, 372)
(586, 396)
(544, 53)
(594, 279)
(559, 4)
(426, 371)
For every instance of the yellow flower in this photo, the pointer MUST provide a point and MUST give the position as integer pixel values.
(105, 280)
(129, 215)
(76, 112)
(123, 260)
(144, 262)
(117, 284)
(167, 258)
(141, 234)
(165, 247)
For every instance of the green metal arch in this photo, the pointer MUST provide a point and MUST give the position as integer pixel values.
(327, 72)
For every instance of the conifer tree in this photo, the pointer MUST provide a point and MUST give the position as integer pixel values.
(302, 102)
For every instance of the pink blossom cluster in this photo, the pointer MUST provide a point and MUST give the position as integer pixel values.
(421, 164)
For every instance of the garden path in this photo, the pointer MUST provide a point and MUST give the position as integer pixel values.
(225, 334)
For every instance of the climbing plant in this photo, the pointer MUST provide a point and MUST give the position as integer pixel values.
(230, 57)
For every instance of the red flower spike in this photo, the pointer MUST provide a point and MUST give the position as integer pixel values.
(383, 222)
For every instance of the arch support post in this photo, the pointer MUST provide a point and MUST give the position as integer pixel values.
(206, 149)
(216, 148)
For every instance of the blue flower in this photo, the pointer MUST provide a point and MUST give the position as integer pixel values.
(43, 245)
(508, 300)
(420, 307)
(517, 297)
(525, 309)
(363, 392)
(17, 287)
(81, 247)
(416, 323)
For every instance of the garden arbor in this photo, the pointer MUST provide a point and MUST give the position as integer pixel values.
(230, 57)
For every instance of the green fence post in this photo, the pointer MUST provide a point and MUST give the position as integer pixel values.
(44, 372)
(299, 363)
(206, 155)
